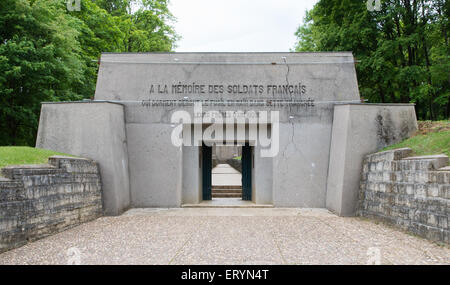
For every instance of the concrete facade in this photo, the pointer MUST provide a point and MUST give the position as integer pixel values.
(144, 169)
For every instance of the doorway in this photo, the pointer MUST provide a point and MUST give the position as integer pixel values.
(227, 172)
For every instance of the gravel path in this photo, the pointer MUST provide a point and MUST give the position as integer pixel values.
(229, 236)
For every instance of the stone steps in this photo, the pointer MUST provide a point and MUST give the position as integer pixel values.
(221, 190)
(227, 191)
(229, 187)
(426, 162)
(227, 195)
(15, 172)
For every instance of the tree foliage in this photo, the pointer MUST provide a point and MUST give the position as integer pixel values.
(402, 50)
(48, 53)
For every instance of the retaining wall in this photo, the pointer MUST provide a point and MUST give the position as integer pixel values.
(40, 200)
(412, 193)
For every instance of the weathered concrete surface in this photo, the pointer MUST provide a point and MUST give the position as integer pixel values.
(229, 236)
(155, 166)
(96, 131)
(41, 200)
(301, 167)
(358, 130)
(412, 193)
(127, 76)
(191, 179)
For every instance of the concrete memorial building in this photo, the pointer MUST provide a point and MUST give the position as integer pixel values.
(298, 118)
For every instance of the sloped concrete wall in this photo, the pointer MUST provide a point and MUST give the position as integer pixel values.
(41, 200)
(358, 130)
(95, 130)
(412, 193)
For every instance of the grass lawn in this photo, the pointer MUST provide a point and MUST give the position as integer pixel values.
(432, 138)
(17, 155)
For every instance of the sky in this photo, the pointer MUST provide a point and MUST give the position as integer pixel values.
(238, 25)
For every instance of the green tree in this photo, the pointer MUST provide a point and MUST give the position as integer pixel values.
(48, 53)
(39, 61)
(112, 26)
(402, 49)
(149, 27)
(114, 7)
(99, 32)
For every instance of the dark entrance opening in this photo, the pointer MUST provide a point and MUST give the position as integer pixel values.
(247, 172)
(206, 172)
(217, 187)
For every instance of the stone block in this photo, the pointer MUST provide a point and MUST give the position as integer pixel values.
(441, 177)
(428, 162)
(444, 191)
(433, 190)
(410, 193)
(420, 191)
(421, 177)
(389, 155)
(40, 200)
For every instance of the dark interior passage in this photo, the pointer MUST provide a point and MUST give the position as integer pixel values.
(227, 172)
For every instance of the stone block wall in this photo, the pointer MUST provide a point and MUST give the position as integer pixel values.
(412, 193)
(41, 200)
